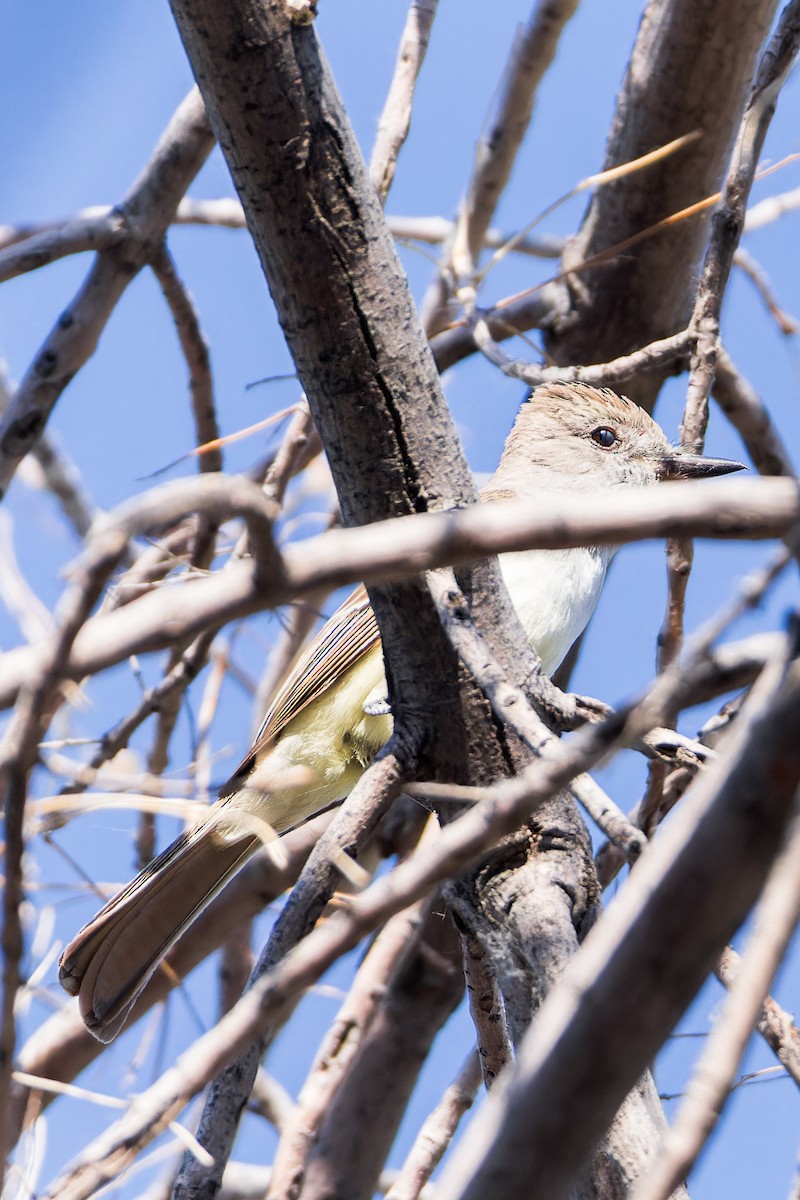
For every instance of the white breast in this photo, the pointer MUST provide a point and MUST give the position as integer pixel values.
(555, 593)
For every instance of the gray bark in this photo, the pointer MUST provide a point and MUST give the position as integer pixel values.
(646, 292)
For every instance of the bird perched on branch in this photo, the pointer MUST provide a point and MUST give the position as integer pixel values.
(328, 720)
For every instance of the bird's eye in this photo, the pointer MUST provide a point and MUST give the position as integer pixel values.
(605, 437)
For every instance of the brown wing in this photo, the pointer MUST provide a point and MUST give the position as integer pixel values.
(341, 642)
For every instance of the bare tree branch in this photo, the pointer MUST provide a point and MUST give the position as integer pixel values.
(728, 221)
(487, 1007)
(395, 119)
(85, 231)
(437, 1132)
(421, 996)
(744, 409)
(726, 229)
(643, 294)
(712, 1080)
(513, 863)
(59, 474)
(775, 1025)
(394, 944)
(196, 352)
(532, 52)
(762, 509)
(658, 355)
(349, 831)
(147, 211)
(18, 753)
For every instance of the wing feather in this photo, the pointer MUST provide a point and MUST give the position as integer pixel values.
(340, 643)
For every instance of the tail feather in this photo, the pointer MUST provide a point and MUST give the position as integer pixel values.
(110, 960)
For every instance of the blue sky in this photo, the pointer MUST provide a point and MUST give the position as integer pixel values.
(84, 96)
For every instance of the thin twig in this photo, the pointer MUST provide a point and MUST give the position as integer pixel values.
(787, 324)
(348, 832)
(176, 680)
(667, 692)
(18, 754)
(433, 231)
(664, 353)
(32, 616)
(487, 1008)
(728, 222)
(747, 413)
(196, 352)
(62, 1046)
(531, 53)
(147, 211)
(395, 119)
(771, 209)
(775, 1025)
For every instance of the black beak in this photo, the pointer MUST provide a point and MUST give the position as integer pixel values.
(697, 466)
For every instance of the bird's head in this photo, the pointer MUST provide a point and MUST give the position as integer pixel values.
(594, 438)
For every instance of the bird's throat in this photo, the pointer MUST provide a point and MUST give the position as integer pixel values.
(555, 593)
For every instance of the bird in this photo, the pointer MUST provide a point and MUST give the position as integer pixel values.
(331, 716)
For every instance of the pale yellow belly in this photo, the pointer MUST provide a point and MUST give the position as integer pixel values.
(320, 754)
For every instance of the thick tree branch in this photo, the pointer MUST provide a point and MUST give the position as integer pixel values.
(752, 509)
(713, 1076)
(347, 1158)
(645, 294)
(726, 229)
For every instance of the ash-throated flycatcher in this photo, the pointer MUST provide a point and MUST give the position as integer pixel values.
(326, 723)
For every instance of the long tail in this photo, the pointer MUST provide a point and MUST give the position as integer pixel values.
(110, 960)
